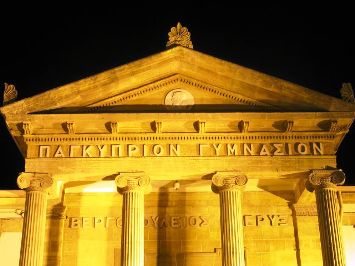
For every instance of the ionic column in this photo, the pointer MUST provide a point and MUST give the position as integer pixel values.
(132, 186)
(324, 183)
(229, 186)
(34, 222)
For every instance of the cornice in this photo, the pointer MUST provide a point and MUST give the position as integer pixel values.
(257, 137)
(168, 126)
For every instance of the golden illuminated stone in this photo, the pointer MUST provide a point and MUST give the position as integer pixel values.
(170, 124)
(33, 233)
(179, 35)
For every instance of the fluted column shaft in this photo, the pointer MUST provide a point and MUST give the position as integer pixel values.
(231, 219)
(329, 217)
(34, 223)
(133, 188)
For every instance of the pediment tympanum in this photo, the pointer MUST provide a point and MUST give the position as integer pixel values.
(176, 93)
(179, 92)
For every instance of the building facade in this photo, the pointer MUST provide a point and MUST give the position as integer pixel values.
(179, 158)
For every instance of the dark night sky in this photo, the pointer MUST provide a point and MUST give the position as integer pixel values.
(43, 49)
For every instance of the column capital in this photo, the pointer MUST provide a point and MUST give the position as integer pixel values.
(32, 181)
(132, 181)
(326, 178)
(229, 180)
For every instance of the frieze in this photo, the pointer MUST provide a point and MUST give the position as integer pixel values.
(176, 150)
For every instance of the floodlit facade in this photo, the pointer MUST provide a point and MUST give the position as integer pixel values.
(179, 158)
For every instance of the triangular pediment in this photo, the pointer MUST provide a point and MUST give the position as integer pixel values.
(178, 79)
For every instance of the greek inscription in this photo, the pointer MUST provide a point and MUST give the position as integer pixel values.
(158, 222)
(175, 150)
(265, 220)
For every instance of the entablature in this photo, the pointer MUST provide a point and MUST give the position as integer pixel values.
(322, 130)
(184, 122)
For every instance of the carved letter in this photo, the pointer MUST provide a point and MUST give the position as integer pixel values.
(87, 222)
(44, 151)
(231, 149)
(74, 222)
(158, 150)
(101, 149)
(175, 221)
(71, 150)
(108, 221)
(163, 222)
(203, 221)
(98, 222)
(193, 221)
(217, 148)
(115, 150)
(131, 149)
(282, 220)
(290, 149)
(302, 148)
(146, 222)
(279, 149)
(145, 150)
(318, 148)
(201, 146)
(59, 152)
(119, 222)
(85, 151)
(260, 220)
(155, 220)
(249, 220)
(247, 149)
(174, 150)
(272, 219)
(264, 150)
